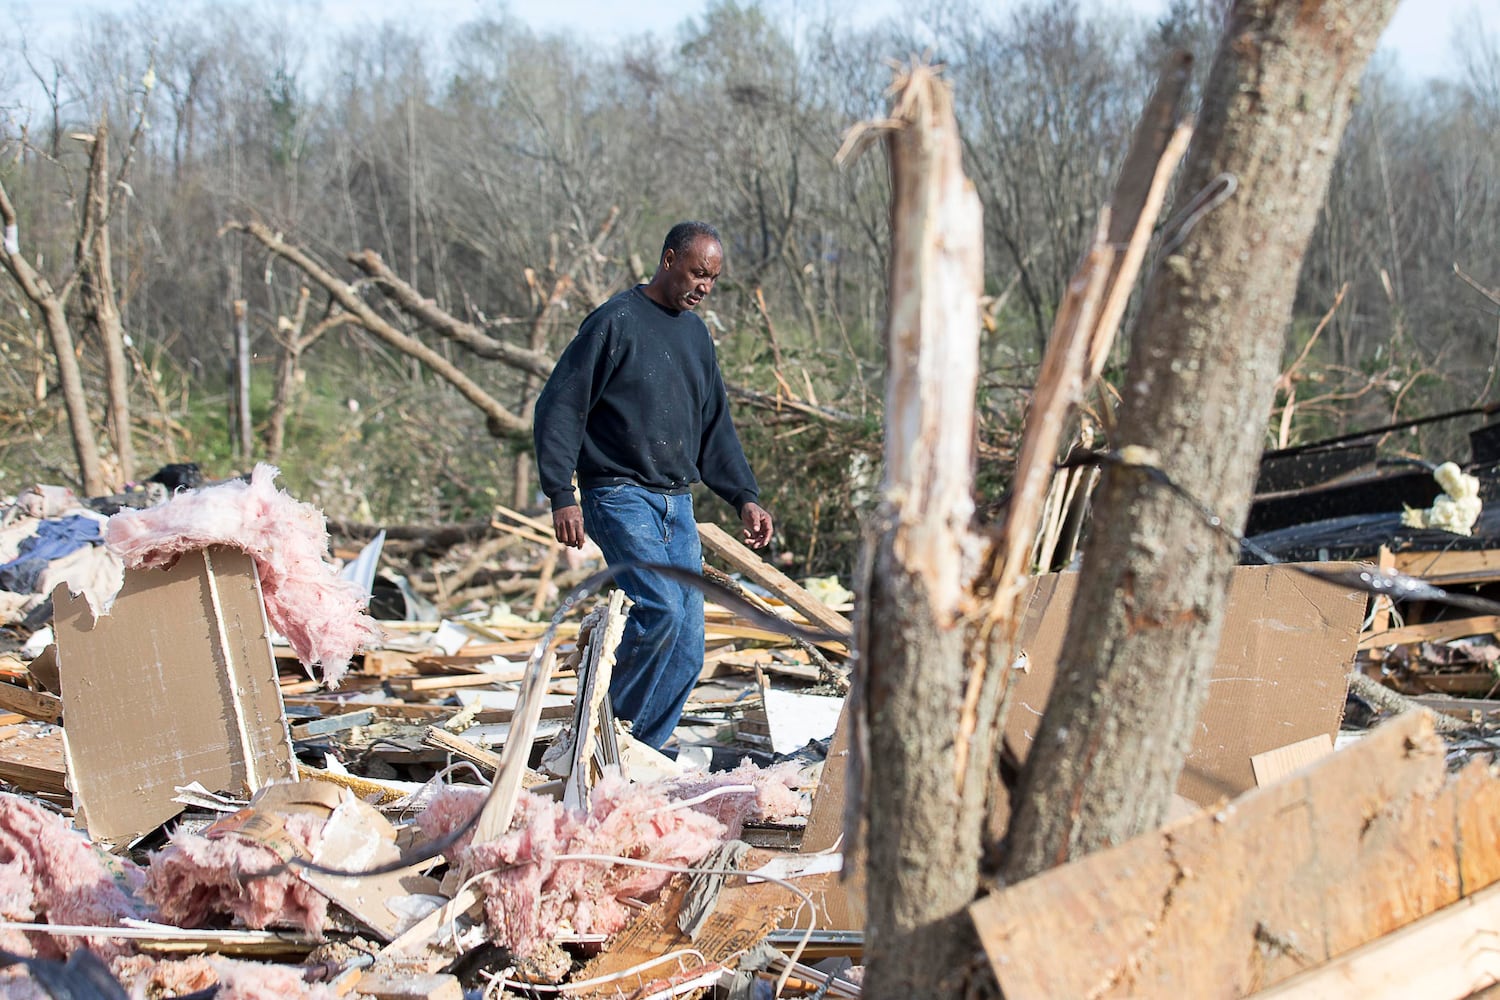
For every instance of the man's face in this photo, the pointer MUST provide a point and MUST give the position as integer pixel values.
(691, 274)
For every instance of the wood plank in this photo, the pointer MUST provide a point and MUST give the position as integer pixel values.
(754, 633)
(1382, 605)
(486, 760)
(1452, 954)
(1365, 841)
(33, 704)
(333, 724)
(442, 682)
(1470, 710)
(422, 712)
(739, 557)
(1443, 568)
(31, 758)
(1438, 631)
(1273, 765)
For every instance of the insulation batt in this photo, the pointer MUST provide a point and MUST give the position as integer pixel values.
(321, 616)
(50, 872)
(195, 878)
(528, 894)
(237, 980)
(1455, 510)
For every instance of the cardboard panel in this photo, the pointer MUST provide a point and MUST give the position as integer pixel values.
(1289, 640)
(176, 684)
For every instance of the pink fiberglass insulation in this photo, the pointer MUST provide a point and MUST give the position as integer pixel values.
(529, 893)
(237, 980)
(196, 878)
(775, 797)
(321, 616)
(50, 873)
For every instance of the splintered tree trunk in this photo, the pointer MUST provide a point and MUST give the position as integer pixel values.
(1133, 672)
(924, 802)
(99, 296)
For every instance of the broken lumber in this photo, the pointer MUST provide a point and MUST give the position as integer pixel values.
(718, 541)
(31, 759)
(1439, 631)
(1447, 956)
(36, 705)
(1367, 840)
(486, 760)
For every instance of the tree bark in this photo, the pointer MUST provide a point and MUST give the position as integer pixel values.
(52, 303)
(1133, 673)
(925, 811)
(100, 301)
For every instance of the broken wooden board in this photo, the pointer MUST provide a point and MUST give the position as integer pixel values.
(1448, 956)
(176, 684)
(1438, 631)
(718, 541)
(1240, 898)
(31, 758)
(1280, 674)
(37, 705)
(740, 921)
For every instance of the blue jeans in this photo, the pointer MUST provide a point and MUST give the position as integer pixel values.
(661, 652)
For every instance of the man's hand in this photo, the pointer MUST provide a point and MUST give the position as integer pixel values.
(757, 524)
(567, 525)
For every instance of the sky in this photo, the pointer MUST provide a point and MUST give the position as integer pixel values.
(1419, 37)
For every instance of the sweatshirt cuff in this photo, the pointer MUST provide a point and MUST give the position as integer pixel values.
(561, 500)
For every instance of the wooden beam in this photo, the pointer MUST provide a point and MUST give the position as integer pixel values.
(1439, 631)
(1240, 898)
(724, 546)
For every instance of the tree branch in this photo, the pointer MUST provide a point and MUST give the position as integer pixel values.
(500, 421)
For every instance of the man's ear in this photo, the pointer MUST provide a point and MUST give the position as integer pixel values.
(667, 258)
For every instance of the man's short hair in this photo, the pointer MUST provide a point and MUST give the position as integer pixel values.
(682, 235)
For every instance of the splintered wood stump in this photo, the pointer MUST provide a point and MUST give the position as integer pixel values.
(1278, 881)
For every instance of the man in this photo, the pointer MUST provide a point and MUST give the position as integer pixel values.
(636, 406)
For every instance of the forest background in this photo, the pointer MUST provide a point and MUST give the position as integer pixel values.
(512, 179)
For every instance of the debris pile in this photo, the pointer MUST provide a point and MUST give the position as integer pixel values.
(182, 783)
(187, 804)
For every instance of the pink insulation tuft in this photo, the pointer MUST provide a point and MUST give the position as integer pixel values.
(237, 980)
(50, 873)
(775, 797)
(321, 616)
(196, 878)
(528, 893)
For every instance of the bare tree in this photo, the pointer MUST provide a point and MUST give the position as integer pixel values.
(1134, 670)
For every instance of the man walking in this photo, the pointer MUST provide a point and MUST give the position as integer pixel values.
(636, 407)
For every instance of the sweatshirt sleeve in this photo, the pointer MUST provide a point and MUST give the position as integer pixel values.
(721, 460)
(562, 411)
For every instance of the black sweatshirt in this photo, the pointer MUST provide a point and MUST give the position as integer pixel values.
(637, 398)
